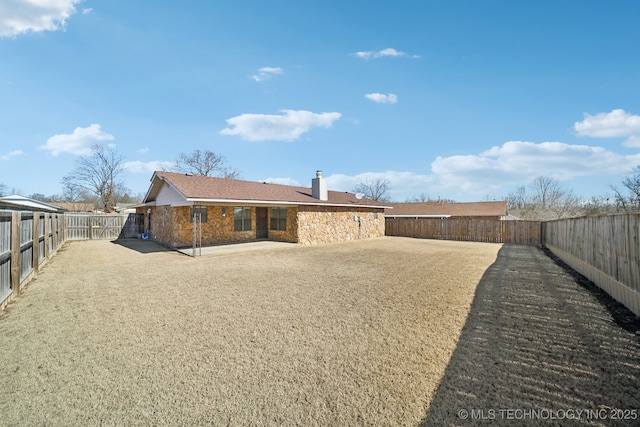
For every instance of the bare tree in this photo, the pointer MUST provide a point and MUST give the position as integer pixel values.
(547, 191)
(630, 201)
(98, 173)
(205, 163)
(546, 199)
(518, 199)
(2, 189)
(375, 189)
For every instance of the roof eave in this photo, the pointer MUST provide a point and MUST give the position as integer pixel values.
(193, 200)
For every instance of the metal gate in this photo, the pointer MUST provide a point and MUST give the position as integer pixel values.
(92, 226)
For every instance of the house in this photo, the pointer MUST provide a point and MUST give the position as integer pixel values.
(21, 203)
(450, 210)
(232, 210)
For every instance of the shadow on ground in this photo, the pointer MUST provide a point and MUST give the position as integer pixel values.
(142, 246)
(537, 348)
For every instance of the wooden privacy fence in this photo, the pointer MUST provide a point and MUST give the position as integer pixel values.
(605, 249)
(93, 226)
(475, 230)
(27, 241)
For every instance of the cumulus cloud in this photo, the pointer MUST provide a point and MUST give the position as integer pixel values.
(137, 166)
(12, 154)
(520, 161)
(285, 127)
(617, 123)
(380, 98)
(388, 52)
(78, 143)
(23, 16)
(266, 73)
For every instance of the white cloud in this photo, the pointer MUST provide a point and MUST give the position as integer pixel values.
(143, 150)
(517, 162)
(23, 16)
(388, 52)
(137, 166)
(286, 127)
(496, 170)
(87, 10)
(266, 73)
(381, 98)
(12, 154)
(617, 123)
(402, 184)
(78, 143)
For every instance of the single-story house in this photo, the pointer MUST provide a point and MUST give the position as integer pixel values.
(232, 210)
(22, 203)
(450, 210)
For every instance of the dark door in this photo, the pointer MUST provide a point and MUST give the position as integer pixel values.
(262, 222)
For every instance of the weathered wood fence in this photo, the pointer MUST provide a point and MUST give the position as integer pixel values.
(475, 230)
(27, 241)
(605, 249)
(93, 226)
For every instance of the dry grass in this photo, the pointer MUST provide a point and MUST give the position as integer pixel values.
(358, 333)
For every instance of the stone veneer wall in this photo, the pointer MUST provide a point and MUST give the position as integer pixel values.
(308, 225)
(217, 229)
(291, 233)
(325, 224)
(172, 226)
(161, 224)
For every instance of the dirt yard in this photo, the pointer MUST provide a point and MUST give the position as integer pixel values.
(359, 333)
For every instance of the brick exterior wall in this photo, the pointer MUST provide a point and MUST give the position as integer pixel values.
(308, 225)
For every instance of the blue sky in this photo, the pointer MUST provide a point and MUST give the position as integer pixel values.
(458, 99)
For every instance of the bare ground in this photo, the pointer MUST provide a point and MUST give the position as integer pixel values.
(541, 346)
(360, 333)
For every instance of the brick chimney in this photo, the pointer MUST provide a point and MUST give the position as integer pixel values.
(319, 187)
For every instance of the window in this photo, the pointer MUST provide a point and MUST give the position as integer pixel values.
(199, 210)
(242, 219)
(279, 218)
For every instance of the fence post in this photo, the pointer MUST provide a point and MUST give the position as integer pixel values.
(36, 243)
(15, 252)
(47, 230)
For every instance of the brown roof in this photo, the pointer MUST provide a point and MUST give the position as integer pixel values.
(448, 209)
(206, 188)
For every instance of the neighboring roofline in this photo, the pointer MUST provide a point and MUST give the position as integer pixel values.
(27, 203)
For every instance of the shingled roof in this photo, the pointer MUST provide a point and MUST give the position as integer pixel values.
(446, 209)
(201, 189)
